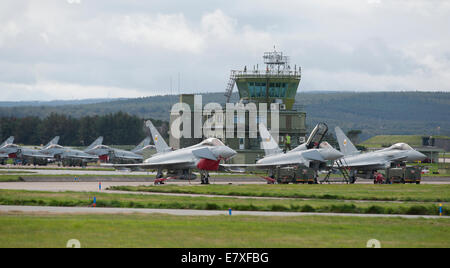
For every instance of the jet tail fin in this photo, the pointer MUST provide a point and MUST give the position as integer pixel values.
(10, 140)
(97, 142)
(142, 145)
(346, 145)
(160, 143)
(268, 143)
(52, 142)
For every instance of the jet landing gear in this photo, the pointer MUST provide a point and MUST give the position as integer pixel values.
(204, 175)
(160, 178)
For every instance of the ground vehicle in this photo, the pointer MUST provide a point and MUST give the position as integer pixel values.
(295, 175)
(404, 175)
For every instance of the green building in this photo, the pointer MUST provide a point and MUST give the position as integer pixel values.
(277, 84)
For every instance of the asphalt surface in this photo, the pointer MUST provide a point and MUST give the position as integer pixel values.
(89, 175)
(76, 172)
(68, 184)
(184, 212)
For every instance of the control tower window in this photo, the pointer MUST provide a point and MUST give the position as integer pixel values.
(252, 90)
(272, 90)
(257, 90)
(263, 90)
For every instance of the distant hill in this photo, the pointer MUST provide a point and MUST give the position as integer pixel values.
(53, 102)
(388, 140)
(375, 113)
(385, 113)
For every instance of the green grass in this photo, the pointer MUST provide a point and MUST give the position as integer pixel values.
(388, 140)
(422, 193)
(164, 231)
(10, 178)
(2, 172)
(82, 199)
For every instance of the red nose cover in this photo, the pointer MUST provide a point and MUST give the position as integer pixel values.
(12, 155)
(209, 165)
(104, 158)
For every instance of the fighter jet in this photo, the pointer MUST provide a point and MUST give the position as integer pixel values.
(203, 157)
(144, 145)
(365, 165)
(312, 154)
(69, 156)
(4, 156)
(28, 155)
(106, 153)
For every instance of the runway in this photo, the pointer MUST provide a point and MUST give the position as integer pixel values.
(185, 212)
(89, 175)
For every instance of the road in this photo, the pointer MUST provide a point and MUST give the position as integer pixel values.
(126, 176)
(185, 212)
(94, 187)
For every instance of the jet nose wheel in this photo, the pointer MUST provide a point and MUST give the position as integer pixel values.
(205, 178)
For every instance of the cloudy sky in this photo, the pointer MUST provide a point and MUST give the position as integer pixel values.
(72, 49)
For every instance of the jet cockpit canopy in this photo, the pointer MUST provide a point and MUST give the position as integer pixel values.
(401, 147)
(212, 142)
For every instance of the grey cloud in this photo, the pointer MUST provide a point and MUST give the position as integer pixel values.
(140, 45)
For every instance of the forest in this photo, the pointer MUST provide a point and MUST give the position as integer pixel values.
(374, 113)
(117, 129)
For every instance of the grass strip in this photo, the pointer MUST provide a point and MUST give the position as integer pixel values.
(418, 193)
(82, 199)
(165, 231)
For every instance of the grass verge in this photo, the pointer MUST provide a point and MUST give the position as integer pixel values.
(164, 231)
(82, 199)
(10, 178)
(419, 193)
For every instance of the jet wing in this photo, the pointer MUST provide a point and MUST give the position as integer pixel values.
(366, 164)
(239, 167)
(129, 157)
(34, 155)
(375, 163)
(79, 157)
(149, 165)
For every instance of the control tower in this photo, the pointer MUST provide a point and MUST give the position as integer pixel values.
(277, 82)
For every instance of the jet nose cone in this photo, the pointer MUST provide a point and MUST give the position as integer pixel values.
(226, 153)
(230, 153)
(420, 156)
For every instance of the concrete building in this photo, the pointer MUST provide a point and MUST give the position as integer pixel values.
(274, 87)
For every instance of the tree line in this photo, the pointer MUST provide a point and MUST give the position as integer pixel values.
(118, 129)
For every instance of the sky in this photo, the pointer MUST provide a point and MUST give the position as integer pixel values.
(78, 49)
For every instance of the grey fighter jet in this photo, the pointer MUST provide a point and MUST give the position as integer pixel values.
(203, 157)
(4, 156)
(28, 155)
(69, 156)
(106, 153)
(312, 154)
(366, 164)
